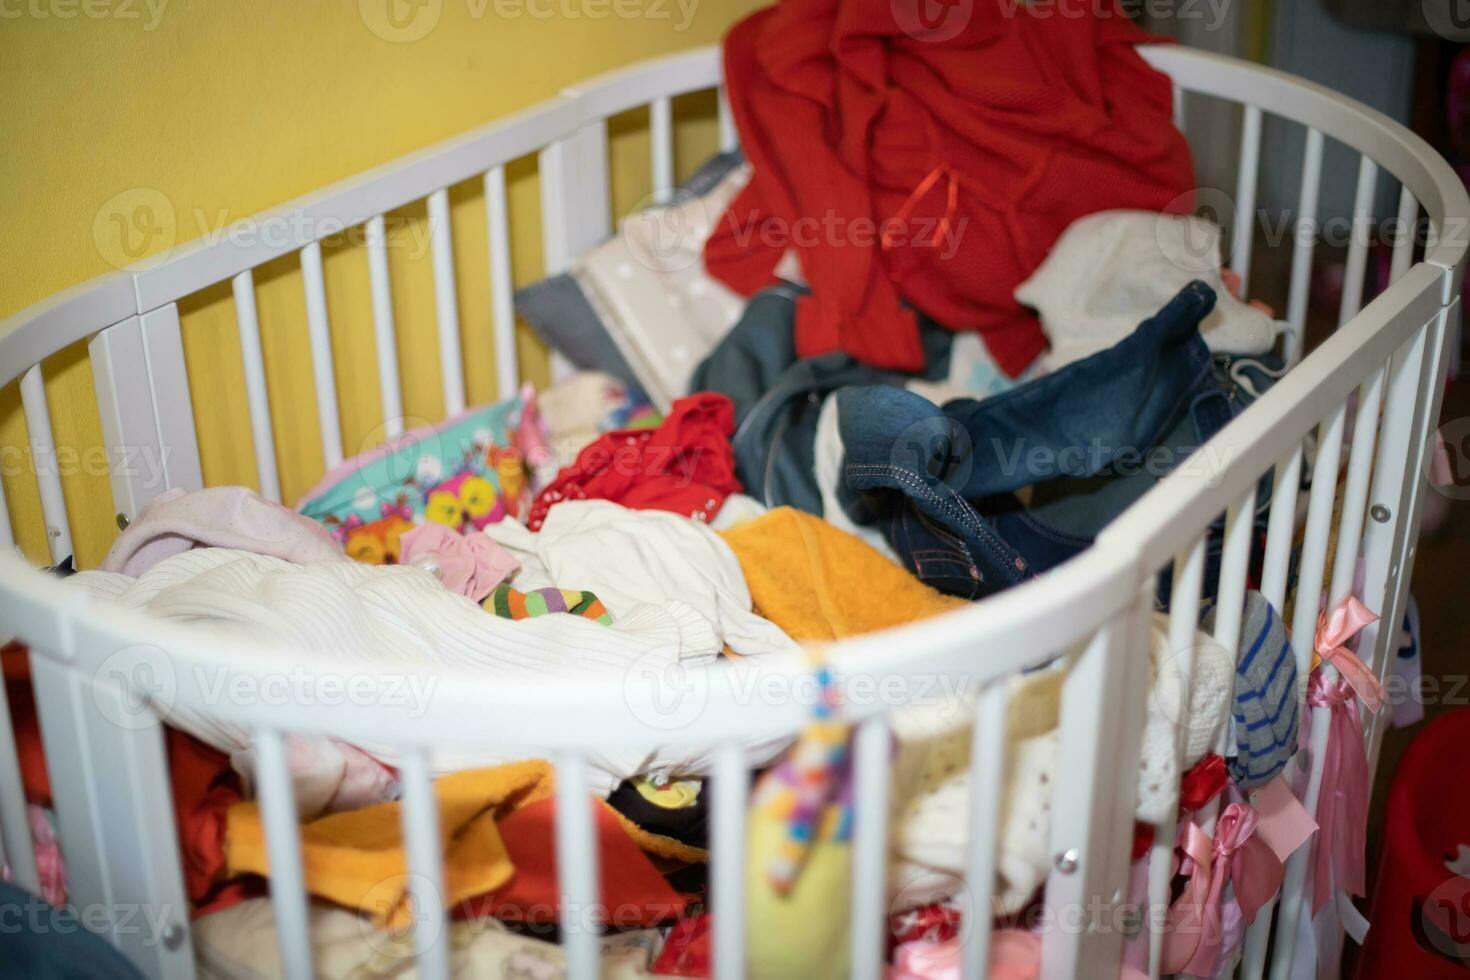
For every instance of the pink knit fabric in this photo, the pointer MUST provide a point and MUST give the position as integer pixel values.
(218, 517)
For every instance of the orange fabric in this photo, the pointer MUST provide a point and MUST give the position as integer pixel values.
(817, 582)
(357, 858)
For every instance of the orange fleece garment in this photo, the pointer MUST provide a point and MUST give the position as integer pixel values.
(817, 582)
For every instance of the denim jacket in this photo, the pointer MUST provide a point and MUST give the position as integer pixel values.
(1088, 440)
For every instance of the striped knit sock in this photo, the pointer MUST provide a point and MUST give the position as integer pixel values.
(510, 603)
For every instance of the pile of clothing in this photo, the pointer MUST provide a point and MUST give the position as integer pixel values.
(947, 316)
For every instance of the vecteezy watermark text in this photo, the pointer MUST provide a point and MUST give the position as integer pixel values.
(406, 21)
(140, 682)
(149, 12)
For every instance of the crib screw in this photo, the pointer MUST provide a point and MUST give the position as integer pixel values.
(173, 937)
(122, 522)
(1067, 861)
(1380, 513)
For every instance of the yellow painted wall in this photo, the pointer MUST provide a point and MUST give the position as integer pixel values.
(208, 111)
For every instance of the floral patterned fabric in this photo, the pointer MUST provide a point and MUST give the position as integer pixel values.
(464, 474)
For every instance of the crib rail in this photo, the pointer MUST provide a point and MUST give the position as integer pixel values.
(1382, 369)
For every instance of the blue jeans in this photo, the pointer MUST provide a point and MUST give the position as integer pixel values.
(940, 482)
(778, 396)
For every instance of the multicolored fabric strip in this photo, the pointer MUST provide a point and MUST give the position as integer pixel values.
(812, 786)
(511, 603)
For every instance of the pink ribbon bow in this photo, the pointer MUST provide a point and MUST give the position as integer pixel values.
(469, 564)
(1235, 856)
(1334, 630)
(1255, 870)
(1342, 806)
(1187, 919)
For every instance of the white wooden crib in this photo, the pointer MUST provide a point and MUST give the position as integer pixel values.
(110, 779)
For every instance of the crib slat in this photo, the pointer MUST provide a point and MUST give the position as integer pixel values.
(7, 536)
(1179, 117)
(1357, 259)
(1318, 531)
(576, 211)
(124, 407)
(1305, 243)
(319, 334)
(319, 331)
(661, 138)
(1239, 526)
(1304, 622)
(1380, 638)
(577, 867)
(1257, 939)
(728, 138)
(576, 205)
(16, 848)
(446, 301)
(426, 867)
(727, 857)
(1355, 492)
(248, 323)
(1279, 527)
(1245, 196)
(502, 285)
(1395, 474)
(987, 785)
(870, 848)
(1229, 608)
(1092, 808)
(173, 405)
(283, 852)
(1294, 888)
(1184, 595)
(1403, 245)
(142, 386)
(384, 334)
(45, 464)
(111, 799)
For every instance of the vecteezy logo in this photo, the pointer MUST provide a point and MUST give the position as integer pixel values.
(1440, 922)
(667, 235)
(936, 450)
(1447, 462)
(1196, 246)
(935, 21)
(663, 693)
(133, 685)
(1450, 19)
(413, 909)
(1193, 667)
(135, 228)
(931, 906)
(400, 21)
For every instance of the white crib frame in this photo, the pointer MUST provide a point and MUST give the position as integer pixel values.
(110, 783)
